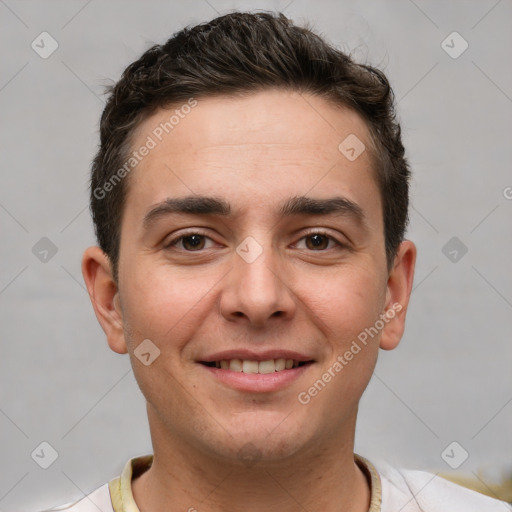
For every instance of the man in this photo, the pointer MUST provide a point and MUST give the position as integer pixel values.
(250, 200)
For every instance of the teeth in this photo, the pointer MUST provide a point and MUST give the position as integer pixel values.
(235, 365)
(280, 364)
(267, 366)
(249, 366)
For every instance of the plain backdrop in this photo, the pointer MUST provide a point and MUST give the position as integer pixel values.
(449, 380)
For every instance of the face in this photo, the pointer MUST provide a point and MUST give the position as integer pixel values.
(251, 241)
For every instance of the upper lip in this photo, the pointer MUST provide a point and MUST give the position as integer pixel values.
(255, 356)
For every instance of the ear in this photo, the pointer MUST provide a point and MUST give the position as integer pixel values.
(104, 295)
(398, 292)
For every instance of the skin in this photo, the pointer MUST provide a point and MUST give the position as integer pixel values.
(254, 152)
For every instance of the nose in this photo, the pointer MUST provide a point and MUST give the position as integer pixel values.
(255, 291)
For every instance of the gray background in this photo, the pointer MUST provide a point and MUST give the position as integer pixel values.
(449, 380)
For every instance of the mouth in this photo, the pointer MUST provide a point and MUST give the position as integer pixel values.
(249, 371)
(252, 366)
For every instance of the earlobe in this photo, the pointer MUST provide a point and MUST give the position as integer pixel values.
(398, 293)
(104, 295)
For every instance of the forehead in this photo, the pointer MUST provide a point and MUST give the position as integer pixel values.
(257, 148)
(265, 117)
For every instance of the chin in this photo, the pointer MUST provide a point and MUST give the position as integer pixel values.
(258, 441)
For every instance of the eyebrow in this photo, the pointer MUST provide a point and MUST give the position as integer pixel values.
(193, 205)
(298, 205)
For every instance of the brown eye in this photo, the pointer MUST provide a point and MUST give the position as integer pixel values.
(317, 241)
(192, 242)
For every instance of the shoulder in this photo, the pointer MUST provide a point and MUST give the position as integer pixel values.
(98, 501)
(414, 491)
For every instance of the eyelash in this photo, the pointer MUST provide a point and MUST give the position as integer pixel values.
(174, 241)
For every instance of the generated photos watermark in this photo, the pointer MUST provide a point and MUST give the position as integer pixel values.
(152, 141)
(304, 397)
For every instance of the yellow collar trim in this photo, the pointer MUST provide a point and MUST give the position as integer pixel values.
(121, 487)
(372, 475)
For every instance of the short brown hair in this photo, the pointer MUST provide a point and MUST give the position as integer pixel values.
(238, 53)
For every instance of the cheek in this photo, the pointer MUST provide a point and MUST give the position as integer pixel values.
(347, 300)
(164, 307)
(348, 308)
(164, 304)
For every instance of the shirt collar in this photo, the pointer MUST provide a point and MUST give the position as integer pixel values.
(121, 487)
(122, 496)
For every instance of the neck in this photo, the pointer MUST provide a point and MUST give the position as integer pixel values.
(323, 479)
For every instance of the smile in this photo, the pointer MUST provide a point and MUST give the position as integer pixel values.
(251, 366)
(256, 376)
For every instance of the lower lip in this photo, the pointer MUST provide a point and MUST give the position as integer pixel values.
(257, 382)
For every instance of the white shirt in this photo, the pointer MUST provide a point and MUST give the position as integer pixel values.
(392, 490)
